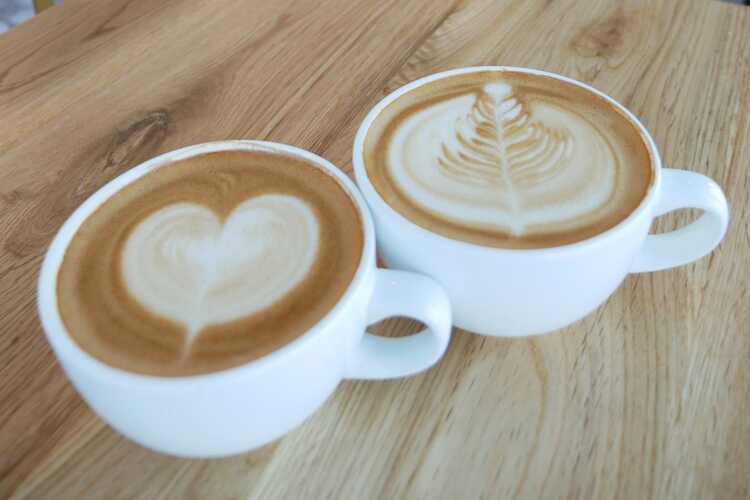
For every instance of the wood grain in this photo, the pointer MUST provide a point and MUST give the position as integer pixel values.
(649, 397)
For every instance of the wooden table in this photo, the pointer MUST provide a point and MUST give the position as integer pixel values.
(649, 397)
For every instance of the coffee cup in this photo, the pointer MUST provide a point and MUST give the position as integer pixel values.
(158, 340)
(527, 195)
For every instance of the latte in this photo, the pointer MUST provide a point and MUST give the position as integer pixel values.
(210, 262)
(507, 159)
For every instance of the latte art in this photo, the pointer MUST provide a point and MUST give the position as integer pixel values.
(507, 160)
(184, 264)
(209, 262)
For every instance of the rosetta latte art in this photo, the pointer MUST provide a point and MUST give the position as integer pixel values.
(182, 263)
(494, 160)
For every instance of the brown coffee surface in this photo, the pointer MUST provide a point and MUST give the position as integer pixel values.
(508, 159)
(208, 263)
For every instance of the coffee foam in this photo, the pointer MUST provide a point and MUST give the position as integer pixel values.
(209, 262)
(507, 159)
(182, 263)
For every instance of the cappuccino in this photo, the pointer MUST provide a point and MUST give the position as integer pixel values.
(507, 159)
(209, 262)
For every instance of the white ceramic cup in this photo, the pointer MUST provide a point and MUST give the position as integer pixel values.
(506, 292)
(242, 408)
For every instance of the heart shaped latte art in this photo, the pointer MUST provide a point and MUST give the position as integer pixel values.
(182, 263)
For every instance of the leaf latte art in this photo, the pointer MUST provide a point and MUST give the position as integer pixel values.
(183, 264)
(511, 161)
(482, 159)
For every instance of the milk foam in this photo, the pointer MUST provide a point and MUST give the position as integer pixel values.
(183, 263)
(491, 160)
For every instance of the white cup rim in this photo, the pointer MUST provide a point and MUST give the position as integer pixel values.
(365, 185)
(66, 348)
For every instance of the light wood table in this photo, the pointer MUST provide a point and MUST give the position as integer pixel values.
(649, 397)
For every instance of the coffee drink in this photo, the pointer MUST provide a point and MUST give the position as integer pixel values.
(209, 262)
(507, 159)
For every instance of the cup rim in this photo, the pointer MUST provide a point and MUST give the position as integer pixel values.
(67, 350)
(371, 194)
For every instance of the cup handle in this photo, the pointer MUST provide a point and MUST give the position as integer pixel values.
(401, 293)
(684, 189)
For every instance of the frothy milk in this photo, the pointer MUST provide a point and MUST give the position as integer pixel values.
(507, 159)
(209, 262)
(183, 263)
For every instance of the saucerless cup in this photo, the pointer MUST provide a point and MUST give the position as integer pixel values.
(485, 134)
(243, 407)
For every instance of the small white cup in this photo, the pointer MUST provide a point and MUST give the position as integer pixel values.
(242, 408)
(515, 293)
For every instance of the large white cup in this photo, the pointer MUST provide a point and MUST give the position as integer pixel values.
(242, 408)
(508, 292)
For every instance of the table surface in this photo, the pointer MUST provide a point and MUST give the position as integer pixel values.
(648, 397)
